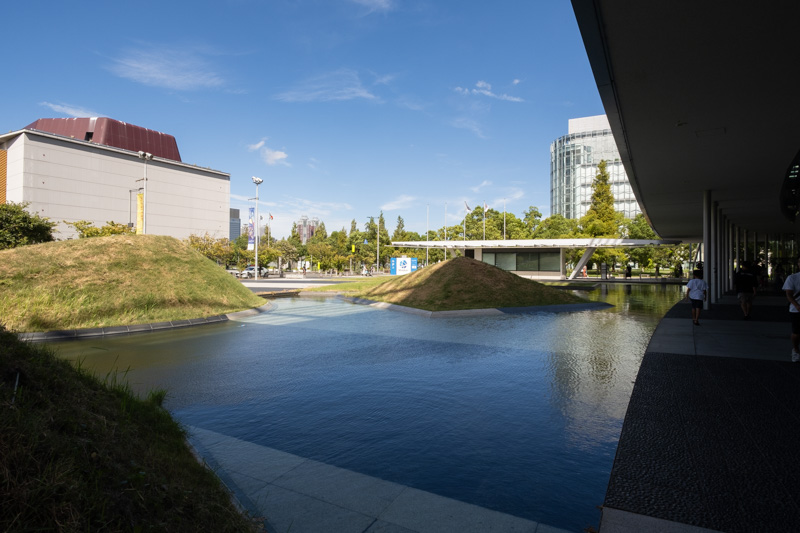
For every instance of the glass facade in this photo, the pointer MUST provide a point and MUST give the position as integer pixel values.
(573, 167)
(524, 261)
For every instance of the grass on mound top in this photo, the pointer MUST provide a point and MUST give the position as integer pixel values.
(112, 281)
(460, 283)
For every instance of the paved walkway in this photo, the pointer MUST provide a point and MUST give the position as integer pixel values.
(305, 496)
(710, 438)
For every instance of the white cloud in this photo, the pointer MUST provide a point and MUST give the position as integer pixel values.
(402, 202)
(271, 157)
(485, 89)
(72, 111)
(516, 82)
(342, 84)
(375, 5)
(257, 146)
(177, 69)
(470, 125)
(484, 183)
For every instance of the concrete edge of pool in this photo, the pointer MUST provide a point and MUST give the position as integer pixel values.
(301, 495)
(71, 334)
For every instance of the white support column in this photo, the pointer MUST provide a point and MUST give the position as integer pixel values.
(707, 244)
(729, 253)
(744, 245)
(584, 259)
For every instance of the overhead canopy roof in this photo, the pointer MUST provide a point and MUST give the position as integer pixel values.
(700, 96)
(534, 243)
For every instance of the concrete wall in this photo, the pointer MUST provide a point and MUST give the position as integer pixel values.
(69, 181)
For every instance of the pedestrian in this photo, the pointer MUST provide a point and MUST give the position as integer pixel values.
(696, 292)
(746, 284)
(792, 289)
(627, 271)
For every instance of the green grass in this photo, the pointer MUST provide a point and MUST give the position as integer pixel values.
(79, 455)
(456, 284)
(110, 281)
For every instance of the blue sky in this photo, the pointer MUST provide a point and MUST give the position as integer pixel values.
(343, 107)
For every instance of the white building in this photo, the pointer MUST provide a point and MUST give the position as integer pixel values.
(573, 166)
(66, 178)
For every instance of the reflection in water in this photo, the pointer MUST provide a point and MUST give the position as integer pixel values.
(519, 413)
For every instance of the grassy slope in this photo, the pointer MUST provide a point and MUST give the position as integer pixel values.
(109, 281)
(77, 455)
(459, 283)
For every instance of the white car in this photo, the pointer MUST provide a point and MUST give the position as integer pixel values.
(250, 272)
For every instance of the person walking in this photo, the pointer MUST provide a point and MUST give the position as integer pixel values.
(746, 288)
(792, 289)
(696, 292)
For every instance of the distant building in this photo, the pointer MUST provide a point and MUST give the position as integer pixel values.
(94, 169)
(306, 228)
(236, 225)
(573, 167)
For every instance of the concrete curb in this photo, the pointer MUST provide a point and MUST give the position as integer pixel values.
(73, 334)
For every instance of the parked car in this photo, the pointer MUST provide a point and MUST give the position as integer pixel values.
(250, 272)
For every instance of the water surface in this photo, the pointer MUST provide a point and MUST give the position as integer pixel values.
(517, 413)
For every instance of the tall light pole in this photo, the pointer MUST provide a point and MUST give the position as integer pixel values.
(378, 247)
(257, 181)
(146, 156)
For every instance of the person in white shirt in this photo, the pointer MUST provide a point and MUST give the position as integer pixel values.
(696, 291)
(792, 289)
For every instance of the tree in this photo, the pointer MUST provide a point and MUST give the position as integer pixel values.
(18, 227)
(400, 231)
(532, 217)
(87, 229)
(638, 228)
(218, 250)
(601, 220)
(556, 227)
(287, 252)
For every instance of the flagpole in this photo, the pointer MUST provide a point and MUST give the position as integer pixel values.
(427, 231)
(484, 220)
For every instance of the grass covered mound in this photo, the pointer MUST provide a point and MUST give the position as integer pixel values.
(79, 455)
(463, 283)
(112, 281)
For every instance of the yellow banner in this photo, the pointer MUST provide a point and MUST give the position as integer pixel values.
(139, 213)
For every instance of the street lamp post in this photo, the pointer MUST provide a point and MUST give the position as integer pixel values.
(146, 156)
(378, 246)
(257, 181)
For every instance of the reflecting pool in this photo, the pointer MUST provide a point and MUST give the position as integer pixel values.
(517, 413)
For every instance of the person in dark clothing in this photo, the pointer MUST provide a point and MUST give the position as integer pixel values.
(746, 287)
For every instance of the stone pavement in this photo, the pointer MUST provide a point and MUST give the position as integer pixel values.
(710, 438)
(300, 495)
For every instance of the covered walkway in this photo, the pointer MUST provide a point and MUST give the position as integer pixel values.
(710, 439)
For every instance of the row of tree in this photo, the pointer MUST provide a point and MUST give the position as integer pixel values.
(343, 249)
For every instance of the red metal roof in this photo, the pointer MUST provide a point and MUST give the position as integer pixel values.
(112, 132)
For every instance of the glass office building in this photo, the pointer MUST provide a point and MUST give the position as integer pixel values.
(573, 166)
